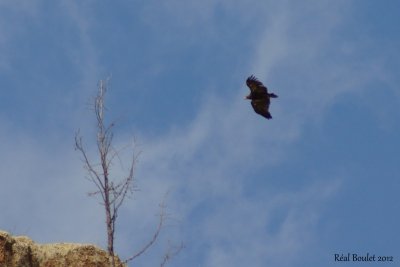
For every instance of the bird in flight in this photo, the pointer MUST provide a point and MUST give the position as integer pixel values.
(259, 96)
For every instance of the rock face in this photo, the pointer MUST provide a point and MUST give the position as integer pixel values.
(20, 251)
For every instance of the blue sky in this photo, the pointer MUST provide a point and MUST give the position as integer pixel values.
(320, 178)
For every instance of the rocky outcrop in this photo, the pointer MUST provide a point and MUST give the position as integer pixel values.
(20, 251)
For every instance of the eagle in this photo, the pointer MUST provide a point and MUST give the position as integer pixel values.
(259, 96)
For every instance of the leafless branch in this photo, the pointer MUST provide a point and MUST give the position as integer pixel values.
(172, 252)
(161, 220)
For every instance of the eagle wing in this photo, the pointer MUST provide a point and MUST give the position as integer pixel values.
(261, 106)
(256, 87)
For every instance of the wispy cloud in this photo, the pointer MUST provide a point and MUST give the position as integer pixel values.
(85, 55)
(13, 14)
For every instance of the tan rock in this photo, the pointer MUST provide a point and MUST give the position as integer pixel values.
(21, 251)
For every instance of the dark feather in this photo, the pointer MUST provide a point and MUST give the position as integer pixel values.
(259, 96)
(260, 107)
(256, 87)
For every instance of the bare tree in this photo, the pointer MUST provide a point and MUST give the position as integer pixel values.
(112, 192)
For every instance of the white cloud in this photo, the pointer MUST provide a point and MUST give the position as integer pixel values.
(43, 195)
(243, 232)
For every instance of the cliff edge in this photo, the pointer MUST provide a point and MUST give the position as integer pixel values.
(21, 251)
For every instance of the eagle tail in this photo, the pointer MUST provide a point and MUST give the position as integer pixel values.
(272, 95)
